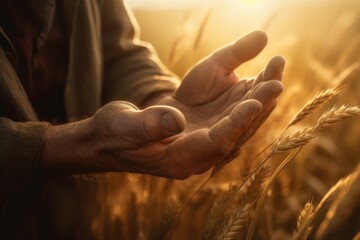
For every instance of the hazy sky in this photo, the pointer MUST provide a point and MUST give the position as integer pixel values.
(160, 3)
(186, 3)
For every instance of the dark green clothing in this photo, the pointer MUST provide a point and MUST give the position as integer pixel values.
(106, 62)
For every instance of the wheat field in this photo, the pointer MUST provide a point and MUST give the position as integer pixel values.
(298, 177)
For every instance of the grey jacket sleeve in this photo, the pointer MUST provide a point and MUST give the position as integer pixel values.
(20, 145)
(132, 69)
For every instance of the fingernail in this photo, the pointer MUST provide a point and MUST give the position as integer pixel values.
(169, 123)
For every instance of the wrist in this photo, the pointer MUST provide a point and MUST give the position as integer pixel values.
(69, 148)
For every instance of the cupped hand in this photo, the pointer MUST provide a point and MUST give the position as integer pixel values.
(203, 124)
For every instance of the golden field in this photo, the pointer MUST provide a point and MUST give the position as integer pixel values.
(297, 193)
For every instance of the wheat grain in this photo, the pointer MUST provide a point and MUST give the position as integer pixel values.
(271, 180)
(317, 101)
(326, 200)
(291, 141)
(339, 209)
(167, 221)
(216, 212)
(324, 96)
(305, 214)
(302, 137)
(336, 114)
(234, 225)
(252, 187)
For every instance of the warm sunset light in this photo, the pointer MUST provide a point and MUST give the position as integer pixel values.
(180, 119)
(320, 41)
(186, 3)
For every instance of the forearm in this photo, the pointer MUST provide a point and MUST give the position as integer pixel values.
(69, 149)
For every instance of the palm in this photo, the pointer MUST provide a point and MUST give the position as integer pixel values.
(221, 111)
(205, 115)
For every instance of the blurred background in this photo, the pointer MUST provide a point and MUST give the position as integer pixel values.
(320, 40)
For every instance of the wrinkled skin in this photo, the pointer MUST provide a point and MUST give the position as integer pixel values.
(204, 122)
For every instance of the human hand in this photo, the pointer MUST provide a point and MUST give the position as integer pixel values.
(203, 124)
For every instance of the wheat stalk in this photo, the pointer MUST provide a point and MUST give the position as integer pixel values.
(332, 116)
(348, 51)
(305, 214)
(339, 209)
(217, 211)
(252, 187)
(326, 200)
(260, 203)
(189, 36)
(336, 114)
(323, 96)
(346, 75)
(320, 99)
(235, 224)
(292, 140)
(201, 28)
(317, 101)
(167, 221)
(302, 137)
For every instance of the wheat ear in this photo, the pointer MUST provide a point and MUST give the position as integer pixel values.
(259, 205)
(317, 101)
(323, 96)
(332, 116)
(305, 214)
(302, 137)
(167, 221)
(235, 224)
(251, 186)
(341, 206)
(327, 199)
(216, 212)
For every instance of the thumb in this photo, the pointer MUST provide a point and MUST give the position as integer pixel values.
(131, 127)
(158, 122)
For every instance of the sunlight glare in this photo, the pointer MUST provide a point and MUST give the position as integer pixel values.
(251, 1)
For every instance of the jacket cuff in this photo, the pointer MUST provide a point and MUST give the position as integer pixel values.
(21, 183)
(21, 149)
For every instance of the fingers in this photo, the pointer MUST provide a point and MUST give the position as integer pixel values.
(244, 49)
(239, 90)
(198, 151)
(265, 92)
(273, 71)
(259, 78)
(228, 130)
